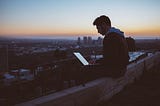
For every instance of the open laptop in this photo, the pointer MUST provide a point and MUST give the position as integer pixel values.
(81, 58)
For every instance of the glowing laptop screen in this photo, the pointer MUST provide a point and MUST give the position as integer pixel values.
(81, 58)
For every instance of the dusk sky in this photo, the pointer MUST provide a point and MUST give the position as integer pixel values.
(75, 17)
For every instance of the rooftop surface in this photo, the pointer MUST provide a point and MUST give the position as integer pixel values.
(143, 92)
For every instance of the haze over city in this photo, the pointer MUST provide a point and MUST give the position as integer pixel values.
(52, 18)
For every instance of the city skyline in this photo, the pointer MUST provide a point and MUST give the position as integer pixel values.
(51, 18)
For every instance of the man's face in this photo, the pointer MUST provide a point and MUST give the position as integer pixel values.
(101, 29)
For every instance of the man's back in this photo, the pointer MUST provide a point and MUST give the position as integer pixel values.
(115, 51)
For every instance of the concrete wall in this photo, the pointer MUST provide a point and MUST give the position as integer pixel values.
(98, 90)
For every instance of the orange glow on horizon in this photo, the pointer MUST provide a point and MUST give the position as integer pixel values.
(19, 31)
(144, 32)
(74, 31)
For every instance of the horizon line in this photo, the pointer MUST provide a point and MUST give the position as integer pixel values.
(74, 37)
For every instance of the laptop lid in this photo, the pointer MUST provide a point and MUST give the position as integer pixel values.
(81, 58)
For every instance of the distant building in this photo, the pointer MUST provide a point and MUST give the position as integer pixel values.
(79, 41)
(3, 58)
(85, 40)
(89, 40)
(22, 74)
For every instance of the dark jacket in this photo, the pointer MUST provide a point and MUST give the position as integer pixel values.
(115, 50)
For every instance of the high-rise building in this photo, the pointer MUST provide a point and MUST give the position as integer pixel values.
(89, 40)
(85, 40)
(78, 41)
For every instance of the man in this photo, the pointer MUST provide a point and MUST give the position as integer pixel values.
(115, 50)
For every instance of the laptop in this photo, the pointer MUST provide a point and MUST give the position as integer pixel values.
(81, 58)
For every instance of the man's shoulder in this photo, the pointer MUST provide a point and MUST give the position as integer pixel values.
(113, 35)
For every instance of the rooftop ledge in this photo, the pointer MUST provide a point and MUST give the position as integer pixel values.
(98, 90)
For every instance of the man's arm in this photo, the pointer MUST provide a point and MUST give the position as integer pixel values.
(111, 48)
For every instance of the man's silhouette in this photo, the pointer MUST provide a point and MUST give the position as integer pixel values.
(115, 50)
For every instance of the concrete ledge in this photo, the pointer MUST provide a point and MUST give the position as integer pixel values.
(97, 90)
